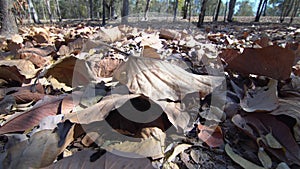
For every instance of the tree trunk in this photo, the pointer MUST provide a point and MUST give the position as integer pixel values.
(91, 8)
(8, 20)
(295, 10)
(125, 11)
(185, 8)
(175, 10)
(58, 10)
(286, 9)
(112, 9)
(32, 12)
(202, 13)
(103, 12)
(49, 10)
(226, 6)
(231, 10)
(261, 7)
(217, 10)
(147, 9)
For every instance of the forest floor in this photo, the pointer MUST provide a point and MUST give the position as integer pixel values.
(151, 94)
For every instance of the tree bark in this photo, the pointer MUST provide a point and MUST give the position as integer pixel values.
(58, 10)
(8, 20)
(295, 10)
(32, 12)
(91, 8)
(217, 10)
(49, 10)
(261, 7)
(231, 10)
(146, 10)
(175, 10)
(125, 11)
(103, 12)
(202, 13)
(185, 8)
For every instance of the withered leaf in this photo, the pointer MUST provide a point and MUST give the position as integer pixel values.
(272, 61)
(25, 120)
(158, 79)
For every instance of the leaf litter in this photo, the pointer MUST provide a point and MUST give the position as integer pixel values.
(87, 96)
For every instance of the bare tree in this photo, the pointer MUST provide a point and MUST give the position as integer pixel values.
(231, 10)
(261, 7)
(286, 9)
(202, 13)
(32, 12)
(8, 20)
(175, 10)
(147, 9)
(125, 11)
(295, 10)
(49, 10)
(58, 10)
(91, 8)
(185, 8)
(217, 10)
(103, 12)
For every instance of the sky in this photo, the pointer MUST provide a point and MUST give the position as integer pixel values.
(255, 2)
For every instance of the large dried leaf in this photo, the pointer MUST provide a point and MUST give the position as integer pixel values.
(149, 147)
(158, 79)
(271, 61)
(259, 125)
(261, 99)
(211, 135)
(36, 55)
(110, 34)
(71, 71)
(85, 159)
(290, 107)
(26, 120)
(39, 151)
(17, 70)
(100, 110)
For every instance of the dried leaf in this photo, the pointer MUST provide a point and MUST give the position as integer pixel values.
(110, 34)
(271, 61)
(211, 135)
(240, 160)
(177, 150)
(35, 55)
(82, 159)
(17, 70)
(261, 99)
(158, 79)
(39, 151)
(264, 158)
(25, 120)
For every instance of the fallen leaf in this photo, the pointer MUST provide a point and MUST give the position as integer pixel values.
(261, 98)
(264, 158)
(177, 150)
(240, 160)
(28, 119)
(83, 158)
(271, 61)
(211, 135)
(158, 79)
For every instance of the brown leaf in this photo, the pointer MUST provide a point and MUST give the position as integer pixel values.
(259, 125)
(35, 55)
(91, 159)
(158, 79)
(39, 151)
(17, 70)
(149, 52)
(211, 135)
(71, 71)
(25, 120)
(272, 61)
(261, 99)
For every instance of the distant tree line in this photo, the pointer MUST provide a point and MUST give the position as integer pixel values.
(56, 10)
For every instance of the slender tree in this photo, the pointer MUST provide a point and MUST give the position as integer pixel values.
(7, 18)
(231, 10)
(32, 12)
(217, 10)
(49, 10)
(58, 10)
(146, 10)
(286, 9)
(125, 11)
(91, 4)
(202, 13)
(103, 12)
(261, 7)
(175, 10)
(185, 8)
(295, 10)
